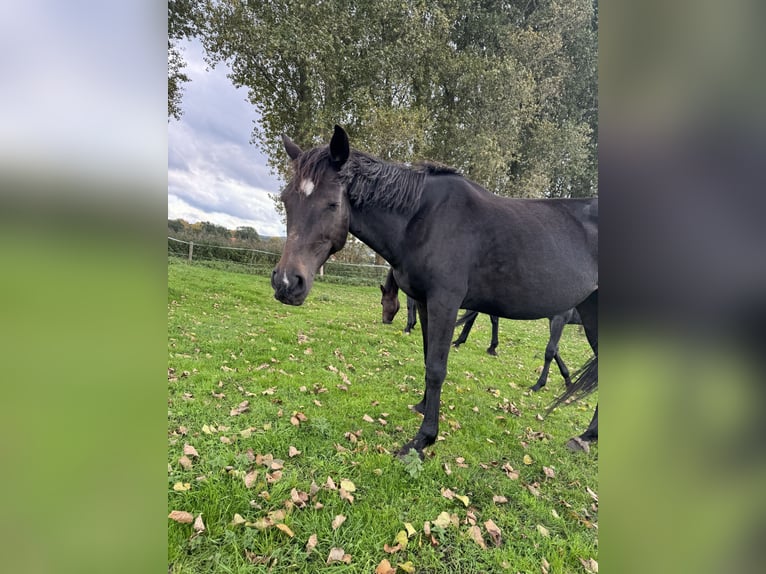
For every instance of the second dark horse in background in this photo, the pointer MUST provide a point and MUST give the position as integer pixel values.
(390, 302)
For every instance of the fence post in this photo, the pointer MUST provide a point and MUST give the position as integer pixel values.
(191, 249)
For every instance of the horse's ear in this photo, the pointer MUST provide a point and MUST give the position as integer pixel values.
(291, 147)
(339, 149)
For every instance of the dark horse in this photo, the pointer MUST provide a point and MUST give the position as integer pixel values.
(451, 244)
(390, 303)
(389, 300)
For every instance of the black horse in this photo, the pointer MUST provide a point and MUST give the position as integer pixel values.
(390, 302)
(451, 244)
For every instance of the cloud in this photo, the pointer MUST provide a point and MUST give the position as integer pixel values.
(214, 173)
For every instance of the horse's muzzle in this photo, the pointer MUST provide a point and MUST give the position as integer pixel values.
(289, 288)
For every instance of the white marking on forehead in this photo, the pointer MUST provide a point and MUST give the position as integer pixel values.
(307, 186)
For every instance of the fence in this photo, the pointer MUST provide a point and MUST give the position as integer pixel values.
(259, 262)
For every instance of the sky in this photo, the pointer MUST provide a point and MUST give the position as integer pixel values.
(214, 173)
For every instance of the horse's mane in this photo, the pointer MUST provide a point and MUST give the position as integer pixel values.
(371, 181)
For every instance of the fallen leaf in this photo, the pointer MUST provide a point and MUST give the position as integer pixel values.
(181, 486)
(391, 549)
(593, 495)
(448, 494)
(549, 472)
(181, 516)
(338, 555)
(385, 568)
(474, 533)
(256, 559)
(185, 462)
(250, 478)
(238, 520)
(292, 451)
(442, 521)
(273, 477)
(545, 566)
(401, 539)
(447, 469)
(286, 529)
(407, 567)
(198, 526)
(242, 407)
(299, 498)
(312, 543)
(368, 419)
(533, 489)
(189, 450)
(347, 485)
(590, 565)
(410, 530)
(543, 530)
(330, 483)
(527, 459)
(347, 496)
(464, 499)
(493, 531)
(497, 499)
(337, 521)
(510, 472)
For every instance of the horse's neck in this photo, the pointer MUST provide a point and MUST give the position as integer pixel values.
(383, 231)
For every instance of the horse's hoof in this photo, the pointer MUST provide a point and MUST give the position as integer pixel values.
(536, 387)
(492, 352)
(576, 444)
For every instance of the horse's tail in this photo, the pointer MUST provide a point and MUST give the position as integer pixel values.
(466, 317)
(585, 382)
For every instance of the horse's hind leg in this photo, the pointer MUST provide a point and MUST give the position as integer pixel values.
(469, 318)
(562, 369)
(588, 311)
(590, 435)
(412, 316)
(556, 327)
(493, 343)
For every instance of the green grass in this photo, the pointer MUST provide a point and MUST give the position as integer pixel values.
(334, 362)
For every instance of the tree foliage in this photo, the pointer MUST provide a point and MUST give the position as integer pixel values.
(504, 91)
(185, 18)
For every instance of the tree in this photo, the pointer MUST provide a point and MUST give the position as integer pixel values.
(245, 233)
(504, 91)
(185, 19)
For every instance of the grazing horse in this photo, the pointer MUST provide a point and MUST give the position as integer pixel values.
(389, 300)
(451, 244)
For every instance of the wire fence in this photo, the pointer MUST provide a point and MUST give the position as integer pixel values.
(258, 262)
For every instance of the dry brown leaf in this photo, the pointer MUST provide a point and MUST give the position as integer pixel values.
(497, 499)
(337, 521)
(199, 526)
(549, 472)
(345, 495)
(510, 472)
(292, 451)
(185, 462)
(238, 520)
(242, 407)
(338, 555)
(189, 450)
(590, 565)
(330, 484)
(312, 543)
(593, 495)
(368, 419)
(533, 489)
(493, 531)
(286, 529)
(385, 568)
(474, 533)
(181, 516)
(250, 478)
(273, 477)
(545, 566)
(443, 520)
(392, 549)
(299, 498)
(448, 494)
(543, 531)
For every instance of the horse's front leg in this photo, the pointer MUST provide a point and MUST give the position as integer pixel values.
(440, 323)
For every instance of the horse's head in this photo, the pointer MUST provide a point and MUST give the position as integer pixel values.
(390, 301)
(317, 211)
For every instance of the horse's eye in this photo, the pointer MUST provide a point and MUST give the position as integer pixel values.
(332, 206)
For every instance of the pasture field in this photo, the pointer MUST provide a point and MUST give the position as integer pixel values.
(282, 422)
